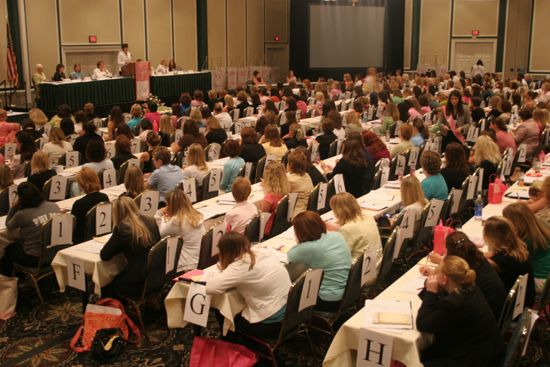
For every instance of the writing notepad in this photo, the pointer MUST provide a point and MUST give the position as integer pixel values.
(390, 318)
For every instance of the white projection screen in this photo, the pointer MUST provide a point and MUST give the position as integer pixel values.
(345, 36)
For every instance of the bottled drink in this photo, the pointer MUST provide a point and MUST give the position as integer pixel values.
(478, 208)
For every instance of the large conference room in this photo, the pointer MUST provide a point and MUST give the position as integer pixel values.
(293, 183)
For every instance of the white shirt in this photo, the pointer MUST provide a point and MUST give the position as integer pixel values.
(54, 151)
(123, 58)
(239, 216)
(98, 74)
(161, 69)
(340, 133)
(100, 166)
(225, 120)
(264, 288)
(191, 236)
(195, 172)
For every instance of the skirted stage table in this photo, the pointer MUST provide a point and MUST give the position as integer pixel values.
(169, 87)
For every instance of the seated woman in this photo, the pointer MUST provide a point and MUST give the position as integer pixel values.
(195, 163)
(433, 185)
(273, 144)
(133, 182)
(359, 230)
(40, 170)
(487, 156)
(276, 186)
(508, 254)
(57, 146)
(123, 151)
(295, 137)
(321, 250)
(115, 119)
(233, 166)
(179, 218)
(326, 138)
(191, 135)
(375, 146)
(96, 155)
(298, 180)
(315, 175)
(487, 279)
(336, 119)
(87, 135)
(456, 167)
(420, 132)
(26, 216)
(527, 132)
(165, 130)
(251, 150)
(412, 198)
(214, 132)
(166, 176)
(405, 134)
(259, 277)
(133, 235)
(7, 128)
(26, 147)
(456, 313)
(536, 236)
(89, 184)
(353, 167)
(352, 123)
(505, 139)
(153, 141)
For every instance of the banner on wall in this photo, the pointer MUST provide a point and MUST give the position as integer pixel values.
(143, 85)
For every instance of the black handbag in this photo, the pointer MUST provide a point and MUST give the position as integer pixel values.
(108, 344)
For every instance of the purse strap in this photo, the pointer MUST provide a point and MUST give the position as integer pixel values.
(133, 327)
(74, 340)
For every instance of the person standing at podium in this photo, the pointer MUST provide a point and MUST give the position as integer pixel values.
(124, 56)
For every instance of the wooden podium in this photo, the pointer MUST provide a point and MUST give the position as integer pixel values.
(128, 69)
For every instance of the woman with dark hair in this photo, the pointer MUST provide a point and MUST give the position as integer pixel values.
(259, 277)
(153, 141)
(59, 73)
(26, 148)
(124, 130)
(88, 134)
(115, 119)
(153, 115)
(191, 135)
(504, 138)
(376, 147)
(353, 167)
(67, 125)
(456, 166)
(251, 150)
(326, 138)
(146, 127)
(96, 156)
(185, 103)
(458, 117)
(123, 151)
(270, 107)
(176, 115)
(62, 111)
(487, 279)
(319, 249)
(420, 132)
(29, 212)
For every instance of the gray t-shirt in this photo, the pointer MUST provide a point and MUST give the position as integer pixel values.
(28, 221)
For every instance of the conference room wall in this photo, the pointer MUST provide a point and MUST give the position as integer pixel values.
(539, 53)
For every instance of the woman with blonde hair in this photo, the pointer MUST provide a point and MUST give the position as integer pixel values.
(133, 235)
(40, 170)
(359, 230)
(133, 182)
(412, 197)
(486, 156)
(352, 123)
(272, 142)
(508, 254)
(137, 113)
(89, 184)
(195, 163)
(214, 132)
(38, 117)
(179, 218)
(165, 130)
(276, 186)
(57, 146)
(542, 117)
(456, 313)
(298, 180)
(229, 103)
(536, 236)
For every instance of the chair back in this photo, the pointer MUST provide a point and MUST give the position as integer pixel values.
(47, 249)
(507, 313)
(157, 274)
(387, 261)
(352, 292)
(252, 229)
(92, 227)
(179, 158)
(280, 221)
(315, 204)
(56, 188)
(333, 149)
(207, 243)
(5, 204)
(399, 162)
(518, 340)
(124, 167)
(206, 193)
(260, 166)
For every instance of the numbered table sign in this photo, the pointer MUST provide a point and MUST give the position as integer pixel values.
(472, 185)
(292, 198)
(385, 175)
(76, 273)
(413, 156)
(322, 197)
(434, 212)
(12, 195)
(109, 178)
(197, 305)
(171, 249)
(178, 134)
(374, 349)
(400, 167)
(72, 159)
(520, 299)
(110, 148)
(149, 202)
(215, 179)
(217, 232)
(308, 297)
(189, 186)
(248, 170)
(522, 153)
(9, 150)
(368, 273)
(103, 221)
(214, 151)
(58, 189)
(456, 197)
(339, 186)
(62, 230)
(136, 145)
(134, 162)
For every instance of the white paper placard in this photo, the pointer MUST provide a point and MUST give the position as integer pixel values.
(214, 151)
(110, 148)
(400, 166)
(109, 178)
(397, 128)
(197, 305)
(455, 200)
(407, 224)
(308, 297)
(434, 212)
(508, 162)
(368, 273)
(76, 275)
(134, 162)
(178, 134)
(398, 243)
(522, 153)
(314, 151)
(385, 175)
(135, 145)
(483, 122)
(248, 170)
(520, 299)
(9, 150)
(103, 221)
(374, 349)
(71, 159)
(238, 125)
(264, 218)
(171, 248)
(472, 185)
(270, 158)
(339, 185)
(12, 195)
(215, 179)
(149, 202)
(322, 197)
(190, 188)
(292, 198)
(62, 230)
(217, 232)
(472, 136)
(413, 156)
(58, 189)
(480, 180)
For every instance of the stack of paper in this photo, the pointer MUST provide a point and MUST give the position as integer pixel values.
(388, 315)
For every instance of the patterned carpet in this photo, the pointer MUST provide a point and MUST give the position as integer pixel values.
(38, 336)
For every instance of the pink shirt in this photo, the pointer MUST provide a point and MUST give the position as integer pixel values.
(238, 217)
(5, 129)
(273, 200)
(505, 140)
(154, 117)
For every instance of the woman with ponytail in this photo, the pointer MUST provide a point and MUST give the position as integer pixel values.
(455, 311)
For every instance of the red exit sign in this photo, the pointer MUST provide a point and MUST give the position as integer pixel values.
(475, 32)
(92, 39)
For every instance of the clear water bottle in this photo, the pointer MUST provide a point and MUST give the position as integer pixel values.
(478, 208)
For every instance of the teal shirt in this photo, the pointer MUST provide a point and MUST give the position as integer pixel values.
(133, 123)
(231, 170)
(435, 187)
(540, 260)
(331, 254)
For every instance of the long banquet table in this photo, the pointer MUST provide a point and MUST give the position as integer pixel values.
(169, 87)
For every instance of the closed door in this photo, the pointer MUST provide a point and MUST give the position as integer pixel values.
(276, 56)
(466, 53)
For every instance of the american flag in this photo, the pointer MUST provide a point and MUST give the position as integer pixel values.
(13, 74)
